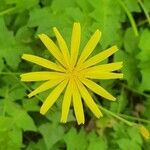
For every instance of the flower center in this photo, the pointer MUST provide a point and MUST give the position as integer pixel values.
(72, 73)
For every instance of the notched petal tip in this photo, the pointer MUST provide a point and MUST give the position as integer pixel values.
(99, 115)
(120, 63)
(42, 111)
(98, 32)
(24, 56)
(113, 99)
(77, 26)
(21, 77)
(63, 121)
(29, 95)
(115, 47)
(80, 123)
(121, 75)
(54, 29)
(41, 35)
(76, 23)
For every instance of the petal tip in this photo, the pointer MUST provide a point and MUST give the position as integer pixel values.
(77, 24)
(23, 56)
(113, 99)
(21, 76)
(115, 47)
(41, 35)
(63, 121)
(99, 115)
(98, 32)
(42, 112)
(29, 95)
(54, 29)
(121, 76)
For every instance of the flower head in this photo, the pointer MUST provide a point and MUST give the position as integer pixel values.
(72, 74)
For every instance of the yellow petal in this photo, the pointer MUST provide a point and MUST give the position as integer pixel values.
(66, 103)
(77, 104)
(99, 57)
(144, 132)
(90, 46)
(45, 86)
(88, 100)
(53, 49)
(62, 45)
(105, 67)
(75, 43)
(97, 89)
(53, 96)
(41, 76)
(42, 62)
(103, 75)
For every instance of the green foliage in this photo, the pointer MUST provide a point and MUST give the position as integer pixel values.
(21, 124)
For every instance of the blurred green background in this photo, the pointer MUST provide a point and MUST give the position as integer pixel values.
(124, 23)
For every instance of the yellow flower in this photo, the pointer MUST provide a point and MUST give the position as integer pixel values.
(72, 73)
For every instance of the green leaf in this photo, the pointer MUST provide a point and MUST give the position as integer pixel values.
(106, 21)
(131, 42)
(134, 132)
(72, 139)
(144, 57)
(17, 93)
(96, 142)
(10, 136)
(122, 101)
(125, 144)
(59, 5)
(127, 137)
(147, 4)
(10, 50)
(147, 110)
(132, 5)
(51, 133)
(20, 117)
(5, 123)
(130, 68)
(145, 84)
(48, 19)
(30, 104)
(144, 54)
(22, 5)
(24, 35)
(36, 146)
(1, 65)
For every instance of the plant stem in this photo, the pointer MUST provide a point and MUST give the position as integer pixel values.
(142, 22)
(135, 118)
(9, 73)
(132, 21)
(116, 116)
(7, 11)
(134, 90)
(5, 101)
(145, 11)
